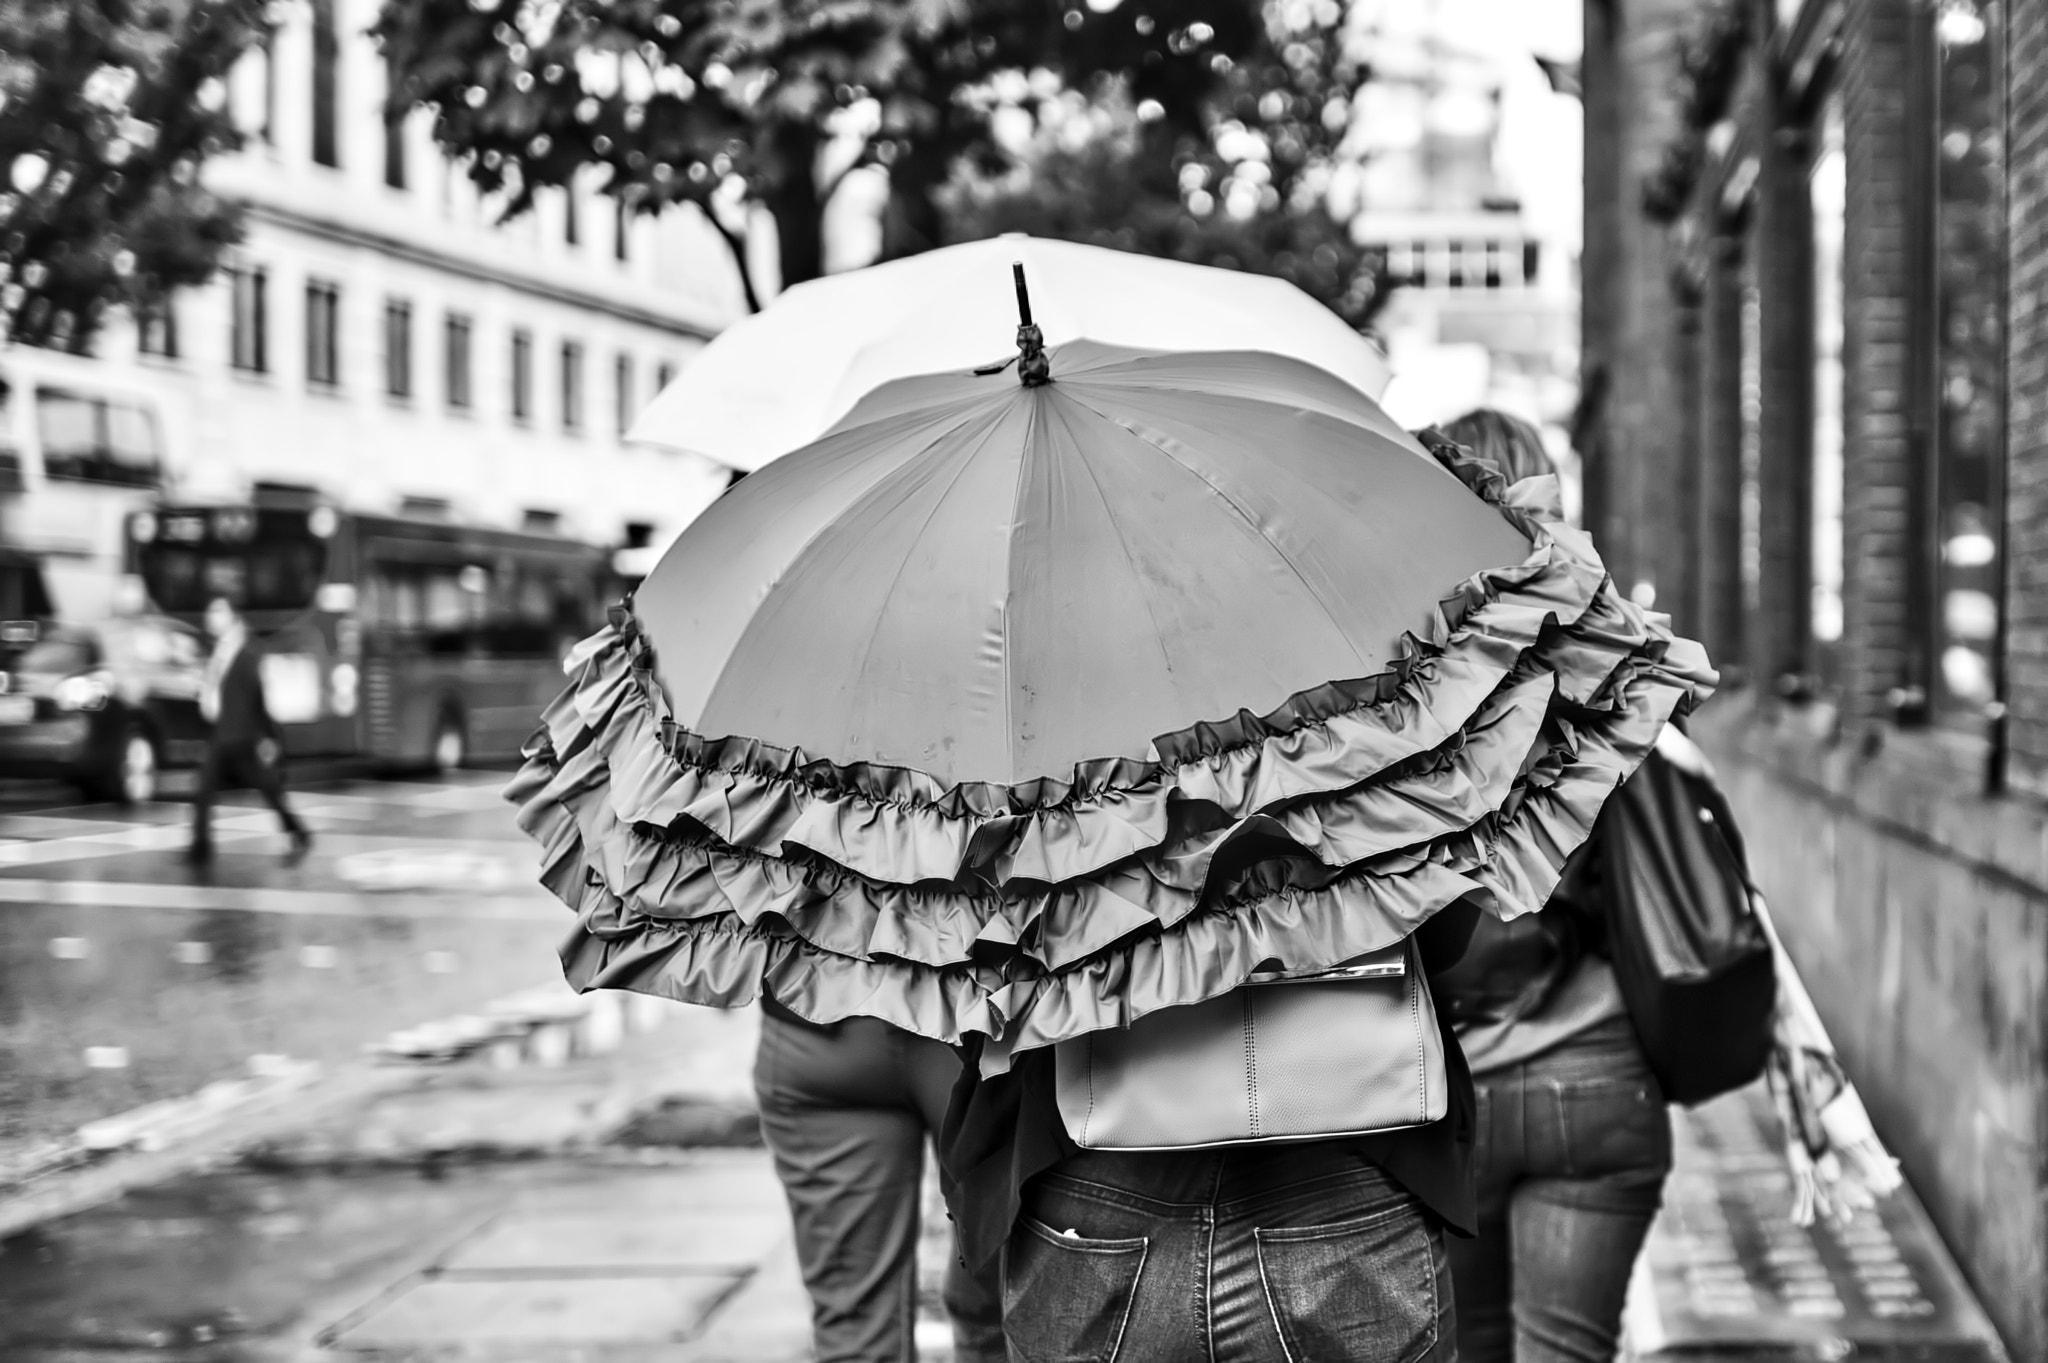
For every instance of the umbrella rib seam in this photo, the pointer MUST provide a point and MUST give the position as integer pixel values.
(1243, 513)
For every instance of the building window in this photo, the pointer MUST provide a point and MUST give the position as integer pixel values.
(1532, 261)
(622, 223)
(425, 508)
(326, 81)
(622, 392)
(252, 90)
(522, 375)
(323, 315)
(456, 359)
(1968, 265)
(156, 328)
(1493, 265)
(572, 385)
(248, 319)
(1828, 191)
(394, 150)
(664, 375)
(540, 522)
(398, 347)
(572, 214)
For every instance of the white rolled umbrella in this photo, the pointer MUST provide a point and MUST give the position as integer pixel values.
(780, 378)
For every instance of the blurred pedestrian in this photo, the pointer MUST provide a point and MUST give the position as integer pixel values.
(1574, 1139)
(846, 1110)
(245, 743)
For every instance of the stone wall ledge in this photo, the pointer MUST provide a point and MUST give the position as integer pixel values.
(1924, 786)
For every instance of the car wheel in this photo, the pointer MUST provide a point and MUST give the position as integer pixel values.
(130, 774)
(450, 748)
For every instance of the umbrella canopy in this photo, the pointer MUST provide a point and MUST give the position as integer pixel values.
(1026, 710)
(992, 583)
(780, 378)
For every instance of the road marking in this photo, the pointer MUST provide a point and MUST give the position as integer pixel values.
(292, 903)
(70, 948)
(106, 1057)
(143, 838)
(316, 957)
(194, 953)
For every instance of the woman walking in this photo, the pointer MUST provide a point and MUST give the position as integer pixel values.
(1573, 1136)
(1313, 1250)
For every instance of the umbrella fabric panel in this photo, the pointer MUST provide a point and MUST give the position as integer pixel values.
(1160, 570)
(746, 555)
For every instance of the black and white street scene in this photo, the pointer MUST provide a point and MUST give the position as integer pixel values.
(1017, 681)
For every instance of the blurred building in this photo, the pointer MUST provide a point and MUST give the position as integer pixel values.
(1487, 307)
(378, 340)
(1816, 361)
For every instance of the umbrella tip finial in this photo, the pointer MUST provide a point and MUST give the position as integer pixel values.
(1033, 368)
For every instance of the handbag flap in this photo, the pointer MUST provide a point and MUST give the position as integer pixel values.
(1330, 1054)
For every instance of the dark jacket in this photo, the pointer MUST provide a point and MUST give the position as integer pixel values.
(244, 718)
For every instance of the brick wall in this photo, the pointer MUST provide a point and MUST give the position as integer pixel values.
(1880, 455)
(1631, 56)
(1777, 635)
(1717, 605)
(2027, 419)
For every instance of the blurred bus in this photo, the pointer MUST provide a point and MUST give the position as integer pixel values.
(83, 444)
(409, 642)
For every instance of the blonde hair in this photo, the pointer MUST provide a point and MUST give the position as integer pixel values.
(1511, 444)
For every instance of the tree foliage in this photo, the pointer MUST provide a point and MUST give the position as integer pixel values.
(108, 111)
(1251, 189)
(725, 103)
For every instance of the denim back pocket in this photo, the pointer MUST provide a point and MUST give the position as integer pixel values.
(1067, 1299)
(1613, 1126)
(1360, 1291)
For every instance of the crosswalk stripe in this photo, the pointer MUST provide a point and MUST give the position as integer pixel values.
(109, 894)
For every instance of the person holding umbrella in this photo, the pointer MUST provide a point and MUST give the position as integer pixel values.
(1150, 727)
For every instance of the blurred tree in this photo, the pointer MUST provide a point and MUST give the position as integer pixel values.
(730, 104)
(108, 110)
(1256, 187)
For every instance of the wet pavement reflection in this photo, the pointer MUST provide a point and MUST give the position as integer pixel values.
(127, 977)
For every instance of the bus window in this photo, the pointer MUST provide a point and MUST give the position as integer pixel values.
(182, 578)
(23, 594)
(94, 440)
(423, 599)
(10, 456)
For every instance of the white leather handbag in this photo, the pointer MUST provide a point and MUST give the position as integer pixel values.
(1340, 1052)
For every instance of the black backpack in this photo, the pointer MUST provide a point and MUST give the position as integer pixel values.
(1693, 961)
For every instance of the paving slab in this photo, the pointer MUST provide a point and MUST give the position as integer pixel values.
(535, 1313)
(1727, 1275)
(663, 1239)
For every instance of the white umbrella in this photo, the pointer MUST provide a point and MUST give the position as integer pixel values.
(780, 378)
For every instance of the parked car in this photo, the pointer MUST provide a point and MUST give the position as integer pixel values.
(106, 706)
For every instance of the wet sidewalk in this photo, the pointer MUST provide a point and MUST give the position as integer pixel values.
(604, 1202)
(546, 1208)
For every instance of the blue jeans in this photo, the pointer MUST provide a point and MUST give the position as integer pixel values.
(1291, 1253)
(1573, 1148)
